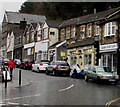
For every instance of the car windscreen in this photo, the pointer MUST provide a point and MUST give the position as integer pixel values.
(107, 69)
(26, 60)
(103, 69)
(44, 62)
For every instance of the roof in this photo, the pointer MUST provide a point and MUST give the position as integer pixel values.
(16, 17)
(85, 42)
(54, 45)
(18, 32)
(88, 18)
(53, 24)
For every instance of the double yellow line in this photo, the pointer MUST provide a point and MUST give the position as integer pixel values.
(110, 102)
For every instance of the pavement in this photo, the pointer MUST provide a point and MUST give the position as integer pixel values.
(15, 83)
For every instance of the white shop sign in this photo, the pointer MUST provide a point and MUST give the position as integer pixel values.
(109, 46)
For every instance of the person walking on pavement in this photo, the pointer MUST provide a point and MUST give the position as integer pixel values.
(11, 65)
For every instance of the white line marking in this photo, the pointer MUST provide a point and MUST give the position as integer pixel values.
(16, 98)
(12, 103)
(66, 88)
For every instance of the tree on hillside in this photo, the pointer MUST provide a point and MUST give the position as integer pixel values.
(65, 10)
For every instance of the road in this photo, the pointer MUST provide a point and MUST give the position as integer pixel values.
(50, 90)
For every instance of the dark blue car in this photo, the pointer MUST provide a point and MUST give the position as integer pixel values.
(76, 72)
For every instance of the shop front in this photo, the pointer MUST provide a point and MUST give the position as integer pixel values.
(41, 51)
(109, 56)
(83, 53)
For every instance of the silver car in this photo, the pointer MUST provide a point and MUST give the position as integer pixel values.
(101, 73)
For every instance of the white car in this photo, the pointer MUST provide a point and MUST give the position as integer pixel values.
(40, 66)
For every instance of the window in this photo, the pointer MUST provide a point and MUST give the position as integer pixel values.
(45, 33)
(73, 32)
(89, 31)
(88, 59)
(82, 32)
(62, 34)
(110, 29)
(68, 33)
(52, 33)
(32, 36)
(97, 30)
(39, 35)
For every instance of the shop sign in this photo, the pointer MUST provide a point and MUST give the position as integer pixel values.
(109, 46)
(62, 54)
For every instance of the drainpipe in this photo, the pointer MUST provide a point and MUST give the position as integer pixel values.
(118, 50)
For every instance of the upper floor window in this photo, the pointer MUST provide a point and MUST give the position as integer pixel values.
(39, 35)
(68, 33)
(97, 30)
(27, 38)
(62, 34)
(45, 33)
(89, 31)
(32, 36)
(82, 32)
(110, 29)
(73, 30)
(52, 33)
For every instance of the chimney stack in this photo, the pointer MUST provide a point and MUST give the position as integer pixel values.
(23, 24)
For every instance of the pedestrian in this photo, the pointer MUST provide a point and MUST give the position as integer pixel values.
(11, 65)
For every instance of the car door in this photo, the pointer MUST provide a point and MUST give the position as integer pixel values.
(93, 72)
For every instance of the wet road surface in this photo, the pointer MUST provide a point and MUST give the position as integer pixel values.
(50, 90)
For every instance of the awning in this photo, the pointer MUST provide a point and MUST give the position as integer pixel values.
(60, 44)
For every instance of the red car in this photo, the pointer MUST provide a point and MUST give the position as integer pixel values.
(26, 64)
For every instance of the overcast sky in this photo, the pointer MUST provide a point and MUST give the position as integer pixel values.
(12, 5)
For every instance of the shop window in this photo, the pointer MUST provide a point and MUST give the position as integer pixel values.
(87, 59)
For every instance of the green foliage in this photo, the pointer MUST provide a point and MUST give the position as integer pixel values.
(65, 10)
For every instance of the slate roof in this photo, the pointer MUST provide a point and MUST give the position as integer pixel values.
(53, 46)
(88, 18)
(53, 24)
(85, 42)
(16, 17)
(18, 32)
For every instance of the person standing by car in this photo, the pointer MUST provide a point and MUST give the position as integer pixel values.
(11, 65)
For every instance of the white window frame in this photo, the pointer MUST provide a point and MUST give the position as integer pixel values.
(108, 30)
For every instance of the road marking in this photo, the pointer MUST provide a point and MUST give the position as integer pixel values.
(66, 88)
(16, 98)
(112, 101)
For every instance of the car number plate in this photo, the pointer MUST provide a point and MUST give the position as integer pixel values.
(111, 80)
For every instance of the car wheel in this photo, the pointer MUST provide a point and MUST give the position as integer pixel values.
(86, 78)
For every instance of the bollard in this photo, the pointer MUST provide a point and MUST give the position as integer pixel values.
(6, 79)
(19, 77)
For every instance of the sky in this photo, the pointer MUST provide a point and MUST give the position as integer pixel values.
(12, 5)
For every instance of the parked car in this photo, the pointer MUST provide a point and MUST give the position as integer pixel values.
(40, 66)
(17, 62)
(58, 67)
(100, 73)
(26, 64)
(76, 71)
